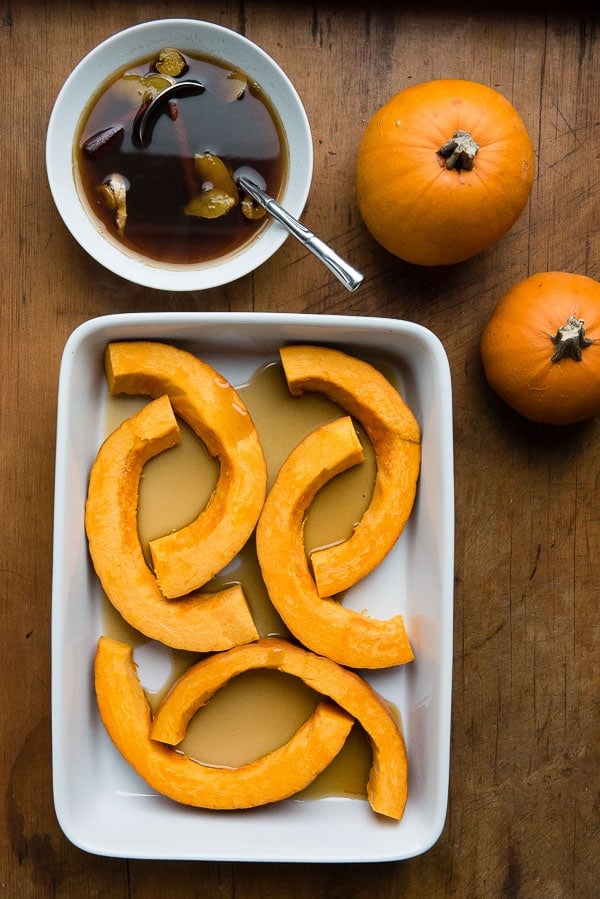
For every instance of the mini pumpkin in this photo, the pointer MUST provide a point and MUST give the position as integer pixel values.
(540, 351)
(444, 169)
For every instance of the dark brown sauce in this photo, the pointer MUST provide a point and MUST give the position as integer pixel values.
(244, 131)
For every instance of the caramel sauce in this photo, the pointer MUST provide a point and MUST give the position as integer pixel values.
(260, 710)
(232, 118)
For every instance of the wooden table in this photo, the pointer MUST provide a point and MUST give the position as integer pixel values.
(523, 810)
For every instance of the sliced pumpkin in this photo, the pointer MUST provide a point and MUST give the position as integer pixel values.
(186, 559)
(363, 392)
(322, 624)
(126, 715)
(387, 786)
(200, 622)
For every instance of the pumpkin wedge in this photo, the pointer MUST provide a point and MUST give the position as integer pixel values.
(387, 787)
(200, 622)
(126, 715)
(189, 557)
(393, 430)
(322, 624)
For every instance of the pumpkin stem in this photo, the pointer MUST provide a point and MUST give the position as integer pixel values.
(460, 151)
(570, 339)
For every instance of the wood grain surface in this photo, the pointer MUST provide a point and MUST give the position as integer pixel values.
(523, 816)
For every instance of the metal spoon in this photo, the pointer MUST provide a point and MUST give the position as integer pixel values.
(349, 276)
(146, 118)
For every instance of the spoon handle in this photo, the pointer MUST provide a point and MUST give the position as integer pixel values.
(347, 274)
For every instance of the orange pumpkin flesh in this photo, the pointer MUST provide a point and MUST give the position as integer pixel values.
(198, 622)
(540, 351)
(323, 625)
(444, 169)
(126, 715)
(143, 368)
(365, 393)
(188, 558)
(387, 787)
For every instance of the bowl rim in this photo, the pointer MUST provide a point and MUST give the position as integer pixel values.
(81, 85)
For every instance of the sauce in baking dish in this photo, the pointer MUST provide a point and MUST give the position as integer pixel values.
(259, 710)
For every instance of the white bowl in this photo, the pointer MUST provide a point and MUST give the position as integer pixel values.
(101, 803)
(133, 44)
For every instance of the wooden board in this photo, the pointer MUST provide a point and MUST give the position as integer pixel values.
(523, 812)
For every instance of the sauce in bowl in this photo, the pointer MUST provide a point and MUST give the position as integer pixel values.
(139, 194)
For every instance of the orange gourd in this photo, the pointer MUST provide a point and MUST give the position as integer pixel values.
(126, 715)
(394, 432)
(388, 779)
(540, 351)
(321, 624)
(444, 169)
(188, 558)
(200, 622)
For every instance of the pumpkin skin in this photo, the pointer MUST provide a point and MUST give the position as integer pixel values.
(126, 715)
(417, 207)
(387, 788)
(539, 349)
